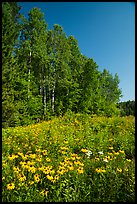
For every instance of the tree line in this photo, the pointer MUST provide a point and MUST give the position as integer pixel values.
(127, 108)
(44, 73)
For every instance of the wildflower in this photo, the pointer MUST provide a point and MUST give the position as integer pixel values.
(107, 157)
(43, 192)
(64, 148)
(128, 160)
(44, 152)
(73, 158)
(100, 170)
(80, 164)
(110, 147)
(76, 162)
(96, 158)
(110, 139)
(101, 152)
(48, 159)
(74, 155)
(121, 151)
(49, 177)
(119, 170)
(3, 178)
(105, 160)
(52, 171)
(126, 169)
(63, 152)
(11, 157)
(56, 177)
(80, 170)
(61, 171)
(30, 163)
(16, 169)
(116, 153)
(71, 168)
(33, 156)
(84, 150)
(110, 153)
(88, 153)
(32, 169)
(78, 157)
(31, 182)
(21, 177)
(10, 186)
(103, 170)
(37, 177)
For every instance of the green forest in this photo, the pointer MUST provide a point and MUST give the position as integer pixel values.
(44, 73)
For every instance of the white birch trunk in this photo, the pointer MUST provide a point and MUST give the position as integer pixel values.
(53, 97)
(29, 77)
(44, 97)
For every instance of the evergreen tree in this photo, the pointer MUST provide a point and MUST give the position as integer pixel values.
(10, 31)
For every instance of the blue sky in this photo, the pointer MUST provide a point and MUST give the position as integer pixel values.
(105, 31)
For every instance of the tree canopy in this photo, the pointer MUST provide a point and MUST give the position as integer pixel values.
(44, 73)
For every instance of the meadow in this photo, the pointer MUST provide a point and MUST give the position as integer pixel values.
(74, 158)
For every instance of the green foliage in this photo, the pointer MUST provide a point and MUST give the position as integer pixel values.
(74, 158)
(44, 73)
(126, 108)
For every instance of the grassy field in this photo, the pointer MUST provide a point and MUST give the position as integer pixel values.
(75, 158)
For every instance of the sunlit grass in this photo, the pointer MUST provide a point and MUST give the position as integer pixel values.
(73, 158)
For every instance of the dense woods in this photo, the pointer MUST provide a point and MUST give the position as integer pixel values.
(44, 73)
(126, 108)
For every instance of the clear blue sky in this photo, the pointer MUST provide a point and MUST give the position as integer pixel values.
(105, 31)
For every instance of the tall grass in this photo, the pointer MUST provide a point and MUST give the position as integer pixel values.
(75, 158)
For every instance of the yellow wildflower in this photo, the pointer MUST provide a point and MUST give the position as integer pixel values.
(71, 168)
(119, 170)
(110, 153)
(30, 163)
(78, 157)
(33, 156)
(37, 177)
(84, 150)
(3, 178)
(21, 177)
(56, 177)
(32, 169)
(48, 159)
(63, 152)
(10, 186)
(99, 170)
(116, 153)
(39, 159)
(16, 169)
(110, 147)
(11, 157)
(74, 155)
(44, 152)
(31, 182)
(80, 170)
(43, 192)
(128, 160)
(122, 151)
(61, 171)
(52, 171)
(49, 177)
